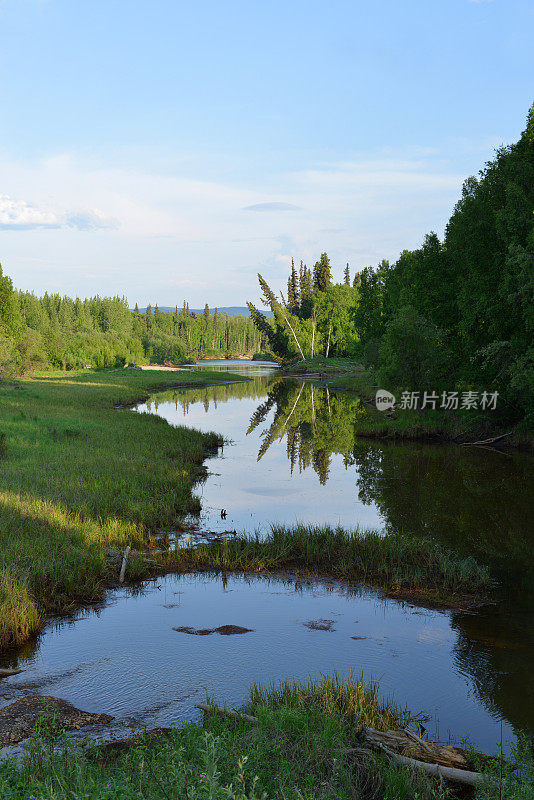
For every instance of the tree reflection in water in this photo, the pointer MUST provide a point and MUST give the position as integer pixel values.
(476, 502)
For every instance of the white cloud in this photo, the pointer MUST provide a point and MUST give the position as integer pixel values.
(18, 215)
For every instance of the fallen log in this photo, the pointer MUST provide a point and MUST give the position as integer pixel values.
(229, 712)
(483, 442)
(4, 672)
(124, 562)
(407, 743)
(451, 774)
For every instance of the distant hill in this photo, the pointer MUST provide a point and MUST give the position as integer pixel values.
(232, 311)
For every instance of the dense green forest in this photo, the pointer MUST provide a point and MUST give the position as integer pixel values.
(58, 332)
(456, 314)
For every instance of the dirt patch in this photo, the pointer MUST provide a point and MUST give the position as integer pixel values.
(224, 630)
(320, 624)
(18, 719)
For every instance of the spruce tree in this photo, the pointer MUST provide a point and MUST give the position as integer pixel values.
(148, 310)
(322, 273)
(347, 275)
(136, 309)
(290, 296)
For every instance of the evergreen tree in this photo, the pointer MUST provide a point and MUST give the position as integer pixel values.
(322, 273)
(347, 275)
(136, 309)
(148, 311)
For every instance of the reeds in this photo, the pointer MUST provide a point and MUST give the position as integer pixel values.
(398, 562)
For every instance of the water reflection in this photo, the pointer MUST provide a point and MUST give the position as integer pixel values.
(129, 661)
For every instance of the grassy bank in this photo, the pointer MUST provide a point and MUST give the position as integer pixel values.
(401, 564)
(78, 475)
(298, 749)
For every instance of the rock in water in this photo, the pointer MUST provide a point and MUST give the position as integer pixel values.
(18, 719)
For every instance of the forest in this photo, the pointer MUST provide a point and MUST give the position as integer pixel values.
(61, 333)
(456, 314)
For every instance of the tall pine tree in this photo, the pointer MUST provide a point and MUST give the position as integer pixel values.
(322, 273)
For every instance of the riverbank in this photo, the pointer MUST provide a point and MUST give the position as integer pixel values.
(462, 426)
(401, 565)
(294, 742)
(79, 475)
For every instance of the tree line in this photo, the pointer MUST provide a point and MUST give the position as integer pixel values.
(58, 332)
(452, 314)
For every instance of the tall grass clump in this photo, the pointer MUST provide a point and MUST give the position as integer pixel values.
(353, 700)
(398, 562)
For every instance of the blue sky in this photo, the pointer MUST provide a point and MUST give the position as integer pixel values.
(166, 150)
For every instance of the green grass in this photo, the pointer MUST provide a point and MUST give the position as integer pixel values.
(399, 563)
(327, 366)
(295, 751)
(77, 476)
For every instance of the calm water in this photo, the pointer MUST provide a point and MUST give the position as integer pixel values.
(294, 456)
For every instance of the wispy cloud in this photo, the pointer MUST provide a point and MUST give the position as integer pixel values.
(276, 206)
(90, 221)
(18, 215)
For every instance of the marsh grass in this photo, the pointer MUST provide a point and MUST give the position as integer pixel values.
(400, 563)
(76, 476)
(295, 751)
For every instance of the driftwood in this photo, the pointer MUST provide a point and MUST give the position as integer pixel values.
(4, 673)
(440, 761)
(452, 774)
(483, 442)
(229, 712)
(124, 562)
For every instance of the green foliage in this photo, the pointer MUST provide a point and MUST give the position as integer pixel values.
(412, 352)
(315, 318)
(58, 332)
(322, 274)
(510, 777)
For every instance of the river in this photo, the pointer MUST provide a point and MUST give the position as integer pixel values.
(293, 454)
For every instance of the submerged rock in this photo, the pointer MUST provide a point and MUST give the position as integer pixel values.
(18, 719)
(319, 624)
(224, 630)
